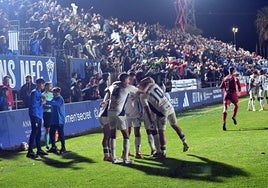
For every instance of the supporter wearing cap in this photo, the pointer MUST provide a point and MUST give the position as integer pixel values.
(57, 120)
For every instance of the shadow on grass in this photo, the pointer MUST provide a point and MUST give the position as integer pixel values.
(206, 170)
(73, 157)
(70, 159)
(251, 129)
(10, 154)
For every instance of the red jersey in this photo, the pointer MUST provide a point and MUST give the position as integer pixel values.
(229, 84)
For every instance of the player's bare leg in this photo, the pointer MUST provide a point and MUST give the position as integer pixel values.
(224, 116)
(182, 137)
(162, 139)
(105, 143)
(113, 147)
(234, 113)
(126, 146)
(137, 142)
(151, 141)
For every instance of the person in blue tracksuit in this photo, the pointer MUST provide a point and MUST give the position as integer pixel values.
(36, 115)
(57, 120)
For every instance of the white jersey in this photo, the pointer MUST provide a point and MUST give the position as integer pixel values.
(253, 81)
(118, 99)
(144, 102)
(133, 106)
(104, 107)
(262, 80)
(262, 85)
(253, 85)
(157, 101)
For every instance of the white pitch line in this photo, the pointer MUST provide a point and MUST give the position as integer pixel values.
(210, 110)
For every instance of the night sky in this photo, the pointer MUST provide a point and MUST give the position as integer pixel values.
(215, 17)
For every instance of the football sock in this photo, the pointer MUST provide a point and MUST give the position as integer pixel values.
(261, 103)
(253, 105)
(157, 142)
(183, 139)
(125, 148)
(112, 146)
(250, 104)
(151, 142)
(163, 149)
(106, 151)
(47, 139)
(137, 144)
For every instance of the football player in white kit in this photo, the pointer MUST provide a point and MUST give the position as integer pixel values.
(119, 92)
(103, 118)
(152, 133)
(262, 84)
(161, 106)
(133, 115)
(253, 84)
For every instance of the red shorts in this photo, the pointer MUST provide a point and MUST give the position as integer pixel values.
(229, 98)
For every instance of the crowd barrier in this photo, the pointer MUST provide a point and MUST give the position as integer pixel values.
(16, 127)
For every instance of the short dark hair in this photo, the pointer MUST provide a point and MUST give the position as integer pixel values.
(56, 89)
(47, 83)
(231, 69)
(122, 77)
(131, 73)
(40, 81)
(6, 77)
(139, 76)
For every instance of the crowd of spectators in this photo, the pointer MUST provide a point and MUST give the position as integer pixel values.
(75, 32)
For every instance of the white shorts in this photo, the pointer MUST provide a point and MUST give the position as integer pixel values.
(147, 123)
(162, 121)
(104, 120)
(118, 122)
(252, 93)
(261, 93)
(133, 122)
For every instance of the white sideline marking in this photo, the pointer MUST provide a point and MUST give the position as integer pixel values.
(209, 110)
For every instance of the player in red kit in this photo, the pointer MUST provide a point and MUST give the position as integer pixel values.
(230, 84)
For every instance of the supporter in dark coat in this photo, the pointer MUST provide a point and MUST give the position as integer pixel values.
(25, 91)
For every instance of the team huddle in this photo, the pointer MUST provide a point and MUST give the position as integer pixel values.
(257, 87)
(129, 100)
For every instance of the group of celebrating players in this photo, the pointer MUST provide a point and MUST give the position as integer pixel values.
(127, 101)
(257, 87)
